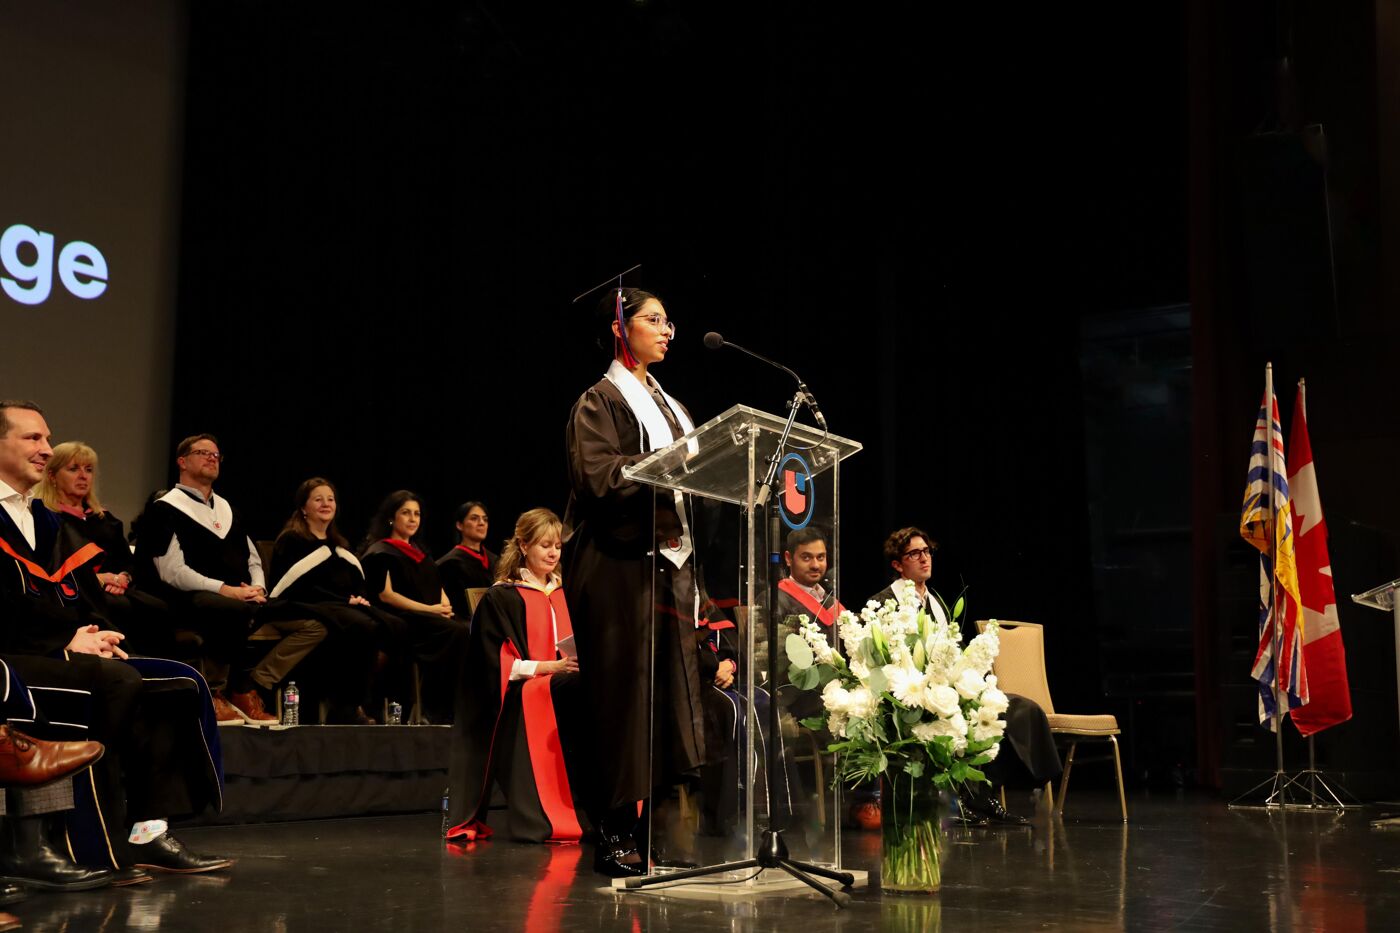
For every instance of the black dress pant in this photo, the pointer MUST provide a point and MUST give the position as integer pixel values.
(140, 776)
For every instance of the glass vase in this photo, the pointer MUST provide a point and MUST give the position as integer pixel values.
(911, 827)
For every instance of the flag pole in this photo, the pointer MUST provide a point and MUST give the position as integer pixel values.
(1319, 794)
(1279, 697)
(1278, 783)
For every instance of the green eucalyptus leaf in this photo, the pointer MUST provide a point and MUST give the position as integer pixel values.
(914, 768)
(958, 608)
(798, 651)
(911, 716)
(815, 723)
(877, 681)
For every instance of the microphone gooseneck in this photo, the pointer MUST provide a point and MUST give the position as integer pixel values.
(713, 341)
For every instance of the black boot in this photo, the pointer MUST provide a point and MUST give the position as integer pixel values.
(615, 853)
(30, 858)
(982, 802)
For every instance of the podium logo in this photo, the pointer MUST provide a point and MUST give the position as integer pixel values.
(27, 263)
(799, 498)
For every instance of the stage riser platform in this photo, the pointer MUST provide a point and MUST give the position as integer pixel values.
(327, 772)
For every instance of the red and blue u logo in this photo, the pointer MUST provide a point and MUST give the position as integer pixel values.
(799, 495)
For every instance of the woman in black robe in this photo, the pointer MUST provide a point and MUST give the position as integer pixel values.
(615, 525)
(312, 569)
(470, 565)
(403, 580)
(520, 688)
(69, 488)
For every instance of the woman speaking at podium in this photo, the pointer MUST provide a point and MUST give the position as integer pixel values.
(618, 530)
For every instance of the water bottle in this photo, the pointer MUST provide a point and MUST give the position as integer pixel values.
(395, 713)
(446, 805)
(291, 705)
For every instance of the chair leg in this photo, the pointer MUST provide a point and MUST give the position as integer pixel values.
(1064, 778)
(1118, 770)
(1050, 795)
(1003, 797)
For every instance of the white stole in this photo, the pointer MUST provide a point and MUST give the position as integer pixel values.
(656, 434)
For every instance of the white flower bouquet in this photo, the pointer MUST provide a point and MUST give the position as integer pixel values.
(906, 696)
(908, 704)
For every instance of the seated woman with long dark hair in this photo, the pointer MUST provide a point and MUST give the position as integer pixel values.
(312, 568)
(519, 687)
(470, 564)
(402, 579)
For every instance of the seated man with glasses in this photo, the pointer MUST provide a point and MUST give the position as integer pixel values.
(1028, 756)
(192, 550)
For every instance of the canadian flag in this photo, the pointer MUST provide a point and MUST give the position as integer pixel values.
(1324, 657)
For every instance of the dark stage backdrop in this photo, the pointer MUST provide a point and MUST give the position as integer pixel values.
(89, 179)
(386, 214)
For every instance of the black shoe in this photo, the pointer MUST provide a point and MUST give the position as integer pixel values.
(32, 860)
(609, 855)
(990, 809)
(11, 894)
(168, 854)
(125, 877)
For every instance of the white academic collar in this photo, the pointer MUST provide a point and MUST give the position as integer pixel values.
(26, 496)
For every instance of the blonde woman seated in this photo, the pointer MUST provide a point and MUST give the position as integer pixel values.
(521, 688)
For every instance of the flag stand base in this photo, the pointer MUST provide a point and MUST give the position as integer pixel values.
(1307, 791)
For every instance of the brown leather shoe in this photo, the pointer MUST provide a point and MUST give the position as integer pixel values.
(250, 706)
(224, 712)
(28, 762)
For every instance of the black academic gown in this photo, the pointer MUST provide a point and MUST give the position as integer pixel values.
(436, 643)
(142, 617)
(318, 579)
(516, 732)
(462, 569)
(614, 524)
(155, 717)
(1028, 757)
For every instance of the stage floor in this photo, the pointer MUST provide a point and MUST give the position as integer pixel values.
(1181, 864)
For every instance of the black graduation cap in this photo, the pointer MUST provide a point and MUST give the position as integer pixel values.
(620, 345)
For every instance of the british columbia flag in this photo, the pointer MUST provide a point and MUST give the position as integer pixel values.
(1278, 665)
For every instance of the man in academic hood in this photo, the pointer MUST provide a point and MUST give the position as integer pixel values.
(194, 551)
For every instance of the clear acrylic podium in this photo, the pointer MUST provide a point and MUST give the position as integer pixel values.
(1383, 598)
(719, 468)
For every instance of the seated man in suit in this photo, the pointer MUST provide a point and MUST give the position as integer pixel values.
(162, 753)
(1028, 756)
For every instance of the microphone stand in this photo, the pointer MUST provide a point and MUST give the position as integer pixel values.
(772, 850)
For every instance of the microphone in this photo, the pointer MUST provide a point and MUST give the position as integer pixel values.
(713, 341)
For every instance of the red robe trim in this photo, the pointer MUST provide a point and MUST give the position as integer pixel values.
(825, 615)
(479, 555)
(75, 560)
(409, 551)
(541, 728)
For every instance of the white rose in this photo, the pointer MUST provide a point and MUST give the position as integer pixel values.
(836, 698)
(970, 684)
(994, 700)
(942, 700)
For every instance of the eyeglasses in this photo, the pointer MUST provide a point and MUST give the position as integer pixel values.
(917, 552)
(207, 455)
(658, 322)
